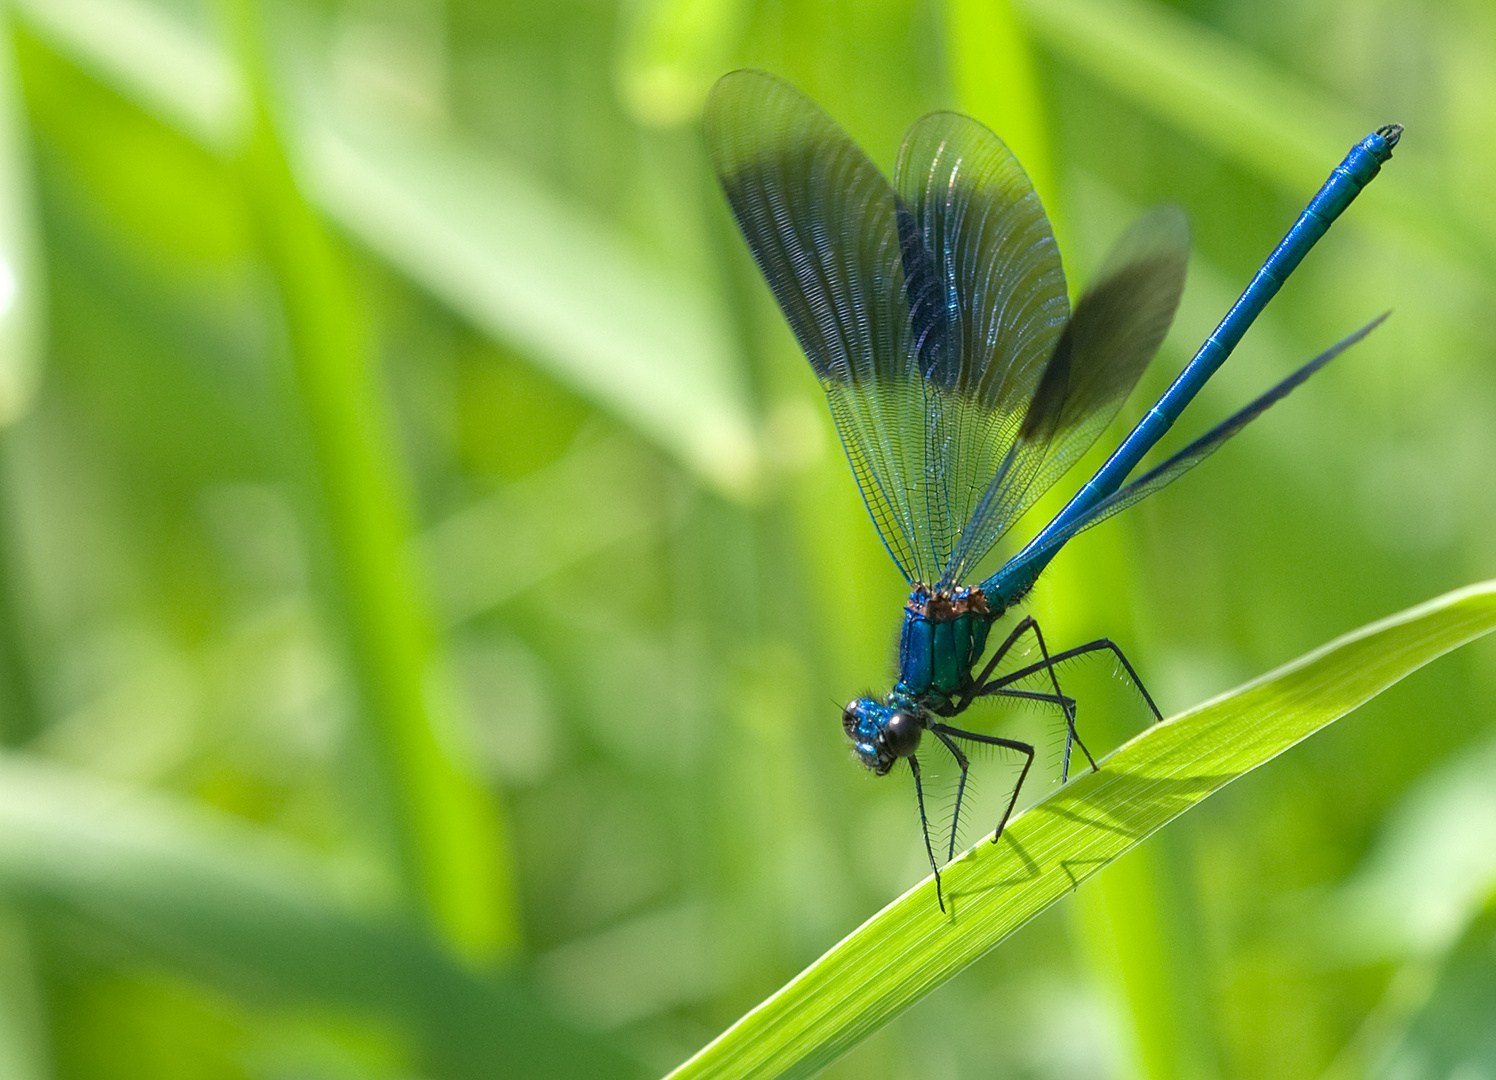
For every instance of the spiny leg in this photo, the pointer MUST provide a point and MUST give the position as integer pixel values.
(1072, 737)
(924, 828)
(964, 765)
(1064, 701)
(982, 686)
(999, 685)
(944, 732)
(1001, 651)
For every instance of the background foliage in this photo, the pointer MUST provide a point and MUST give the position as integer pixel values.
(428, 575)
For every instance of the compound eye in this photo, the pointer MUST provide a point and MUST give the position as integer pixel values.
(901, 735)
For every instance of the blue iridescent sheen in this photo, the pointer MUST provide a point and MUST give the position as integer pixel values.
(935, 314)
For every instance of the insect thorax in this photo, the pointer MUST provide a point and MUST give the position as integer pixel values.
(944, 634)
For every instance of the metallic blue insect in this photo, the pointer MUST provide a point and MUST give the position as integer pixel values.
(935, 314)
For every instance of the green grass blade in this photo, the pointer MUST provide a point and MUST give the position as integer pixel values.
(251, 913)
(169, 68)
(23, 1049)
(992, 67)
(447, 832)
(534, 271)
(1229, 98)
(911, 947)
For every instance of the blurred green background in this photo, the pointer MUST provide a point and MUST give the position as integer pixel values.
(429, 579)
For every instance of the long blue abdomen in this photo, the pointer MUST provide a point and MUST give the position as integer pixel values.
(1358, 169)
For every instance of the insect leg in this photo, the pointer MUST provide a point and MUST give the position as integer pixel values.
(982, 686)
(997, 656)
(944, 732)
(999, 685)
(1064, 701)
(964, 765)
(924, 827)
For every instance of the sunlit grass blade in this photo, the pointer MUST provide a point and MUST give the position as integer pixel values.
(992, 66)
(1434, 1020)
(911, 947)
(167, 66)
(1206, 84)
(539, 274)
(22, 307)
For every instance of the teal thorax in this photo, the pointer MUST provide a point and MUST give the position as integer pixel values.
(942, 638)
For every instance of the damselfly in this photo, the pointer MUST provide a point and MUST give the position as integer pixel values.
(934, 312)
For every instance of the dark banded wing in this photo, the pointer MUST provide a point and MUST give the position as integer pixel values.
(822, 223)
(934, 312)
(1044, 407)
(1117, 327)
(988, 299)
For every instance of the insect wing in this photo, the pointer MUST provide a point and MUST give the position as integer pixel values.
(1101, 353)
(988, 302)
(934, 312)
(822, 223)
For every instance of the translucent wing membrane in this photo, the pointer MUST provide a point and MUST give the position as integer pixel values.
(822, 223)
(1117, 327)
(988, 300)
(934, 312)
